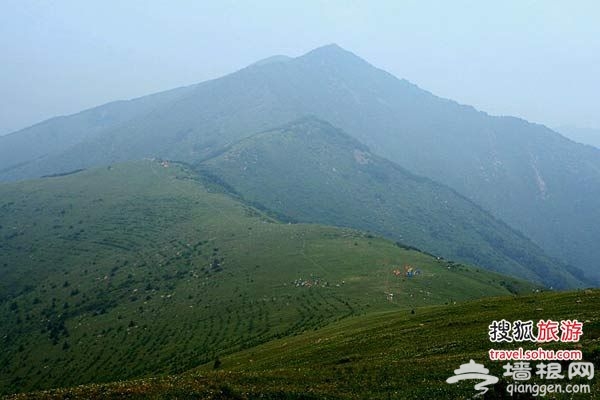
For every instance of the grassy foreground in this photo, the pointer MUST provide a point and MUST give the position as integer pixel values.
(140, 269)
(384, 355)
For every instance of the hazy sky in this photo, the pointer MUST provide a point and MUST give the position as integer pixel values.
(536, 59)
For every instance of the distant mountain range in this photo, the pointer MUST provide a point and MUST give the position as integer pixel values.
(527, 175)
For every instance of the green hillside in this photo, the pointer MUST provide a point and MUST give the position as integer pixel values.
(138, 269)
(310, 171)
(527, 175)
(382, 355)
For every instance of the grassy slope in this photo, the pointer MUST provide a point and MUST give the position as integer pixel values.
(525, 174)
(313, 172)
(382, 355)
(138, 269)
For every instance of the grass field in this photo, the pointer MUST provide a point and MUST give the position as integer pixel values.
(381, 355)
(139, 270)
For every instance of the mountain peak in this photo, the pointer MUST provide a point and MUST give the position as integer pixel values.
(330, 52)
(330, 48)
(279, 58)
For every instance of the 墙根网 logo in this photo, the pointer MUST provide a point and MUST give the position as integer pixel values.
(474, 371)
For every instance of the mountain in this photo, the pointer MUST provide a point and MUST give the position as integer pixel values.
(309, 171)
(51, 138)
(140, 268)
(387, 355)
(525, 174)
(587, 136)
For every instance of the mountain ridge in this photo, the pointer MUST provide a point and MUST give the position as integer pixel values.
(525, 174)
(323, 175)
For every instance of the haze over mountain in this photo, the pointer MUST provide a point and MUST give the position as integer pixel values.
(525, 174)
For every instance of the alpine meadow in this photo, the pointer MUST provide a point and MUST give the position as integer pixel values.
(305, 227)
